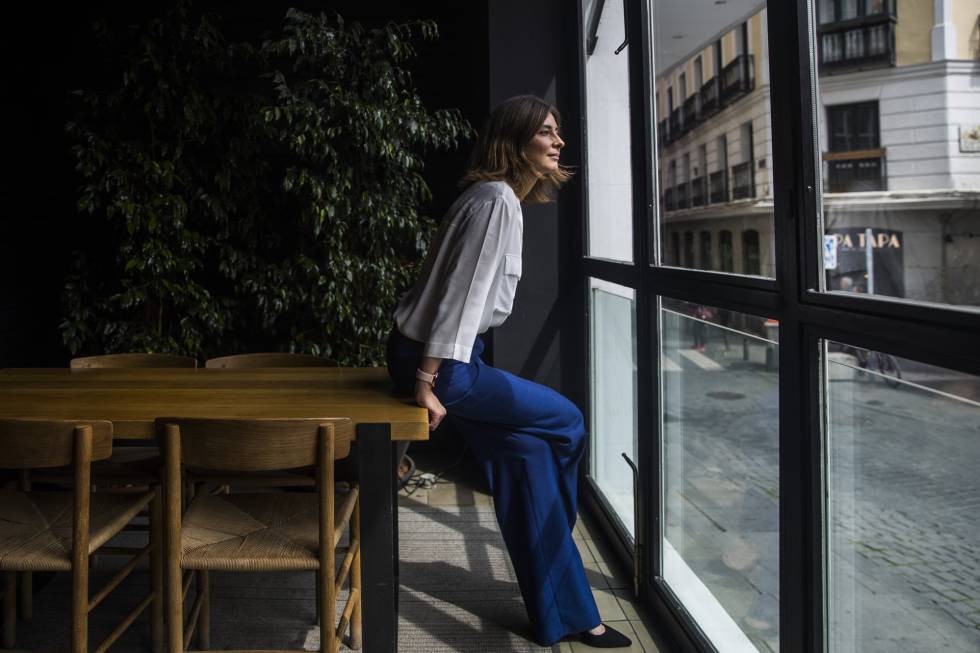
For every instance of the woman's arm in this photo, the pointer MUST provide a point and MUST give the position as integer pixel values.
(426, 397)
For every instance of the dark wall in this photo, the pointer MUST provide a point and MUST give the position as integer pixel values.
(50, 53)
(533, 50)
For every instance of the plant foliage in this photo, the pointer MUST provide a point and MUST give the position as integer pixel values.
(251, 195)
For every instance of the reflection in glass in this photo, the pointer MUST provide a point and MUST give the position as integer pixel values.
(613, 360)
(721, 472)
(903, 540)
(713, 129)
(899, 139)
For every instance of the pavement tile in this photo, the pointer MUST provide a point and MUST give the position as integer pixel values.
(609, 608)
(626, 602)
(645, 638)
(597, 579)
(615, 577)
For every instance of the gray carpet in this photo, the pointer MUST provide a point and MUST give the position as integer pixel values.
(458, 594)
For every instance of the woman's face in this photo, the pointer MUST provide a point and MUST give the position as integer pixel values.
(545, 148)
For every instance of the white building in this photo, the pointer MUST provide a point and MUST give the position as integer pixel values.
(899, 125)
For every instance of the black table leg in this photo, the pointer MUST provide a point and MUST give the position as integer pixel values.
(379, 537)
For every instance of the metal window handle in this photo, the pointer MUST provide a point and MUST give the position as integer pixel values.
(636, 525)
(626, 38)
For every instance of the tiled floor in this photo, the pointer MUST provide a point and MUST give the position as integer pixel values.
(458, 590)
(611, 585)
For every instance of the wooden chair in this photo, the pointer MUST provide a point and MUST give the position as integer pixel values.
(60, 530)
(253, 533)
(132, 361)
(259, 361)
(271, 359)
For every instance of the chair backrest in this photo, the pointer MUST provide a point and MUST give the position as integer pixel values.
(254, 445)
(37, 443)
(268, 359)
(133, 361)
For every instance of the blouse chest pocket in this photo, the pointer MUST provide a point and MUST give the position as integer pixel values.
(512, 265)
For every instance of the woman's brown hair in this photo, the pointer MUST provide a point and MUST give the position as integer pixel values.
(498, 154)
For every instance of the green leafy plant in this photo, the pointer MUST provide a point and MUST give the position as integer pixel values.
(252, 195)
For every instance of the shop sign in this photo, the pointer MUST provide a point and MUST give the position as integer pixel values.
(854, 249)
(854, 239)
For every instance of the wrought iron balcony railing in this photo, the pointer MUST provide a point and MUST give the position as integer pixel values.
(737, 79)
(855, 172)
(699, 191)
(663, 132)
(710, 98)
(718, 187)
(860, 43)
(683, 195)
(743, 181)
(692, 112)
(676, 122)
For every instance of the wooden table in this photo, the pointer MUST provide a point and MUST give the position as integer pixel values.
(133, 398)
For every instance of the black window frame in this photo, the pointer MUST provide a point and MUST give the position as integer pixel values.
(934, 334)
(852, 113)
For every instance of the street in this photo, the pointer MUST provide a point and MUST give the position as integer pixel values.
(903, 495)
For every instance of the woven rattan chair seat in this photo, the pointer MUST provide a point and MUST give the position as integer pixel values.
(256, 531)
(36, 527)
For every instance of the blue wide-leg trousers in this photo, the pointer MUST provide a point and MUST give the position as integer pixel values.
(529, 440)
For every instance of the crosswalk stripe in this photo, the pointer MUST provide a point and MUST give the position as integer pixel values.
(700, 359)
(669, 366)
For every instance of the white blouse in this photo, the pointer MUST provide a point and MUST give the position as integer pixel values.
(470, 274)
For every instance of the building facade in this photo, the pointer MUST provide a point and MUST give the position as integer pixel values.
(899, 123)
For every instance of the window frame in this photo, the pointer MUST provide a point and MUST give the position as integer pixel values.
(934, 334)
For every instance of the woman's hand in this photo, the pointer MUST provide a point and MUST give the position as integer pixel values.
(426, 398)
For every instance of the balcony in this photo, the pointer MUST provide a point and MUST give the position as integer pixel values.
(737, 79)
(663, 132)
(678, 197)
(710, 98)
(692, 112)
(699, 191)
(866, 42)
(855, 172)
(676, 122)
(743, 181)
(683, 194)
(718, 187)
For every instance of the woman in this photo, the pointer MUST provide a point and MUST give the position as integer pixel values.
(528, 438)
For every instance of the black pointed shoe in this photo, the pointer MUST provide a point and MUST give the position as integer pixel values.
(612, 638)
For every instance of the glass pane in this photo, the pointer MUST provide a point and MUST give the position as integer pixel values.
(899, 141)
(903, 539)
(613, 360)
(721, 472)
(610, 229)
(713, 133)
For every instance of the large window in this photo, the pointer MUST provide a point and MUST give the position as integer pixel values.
(803, 365)
(710, 125)
(900, 182)
(610, 232)
(855, 161)
(903, 539)
(613, 364)
(721, 472)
